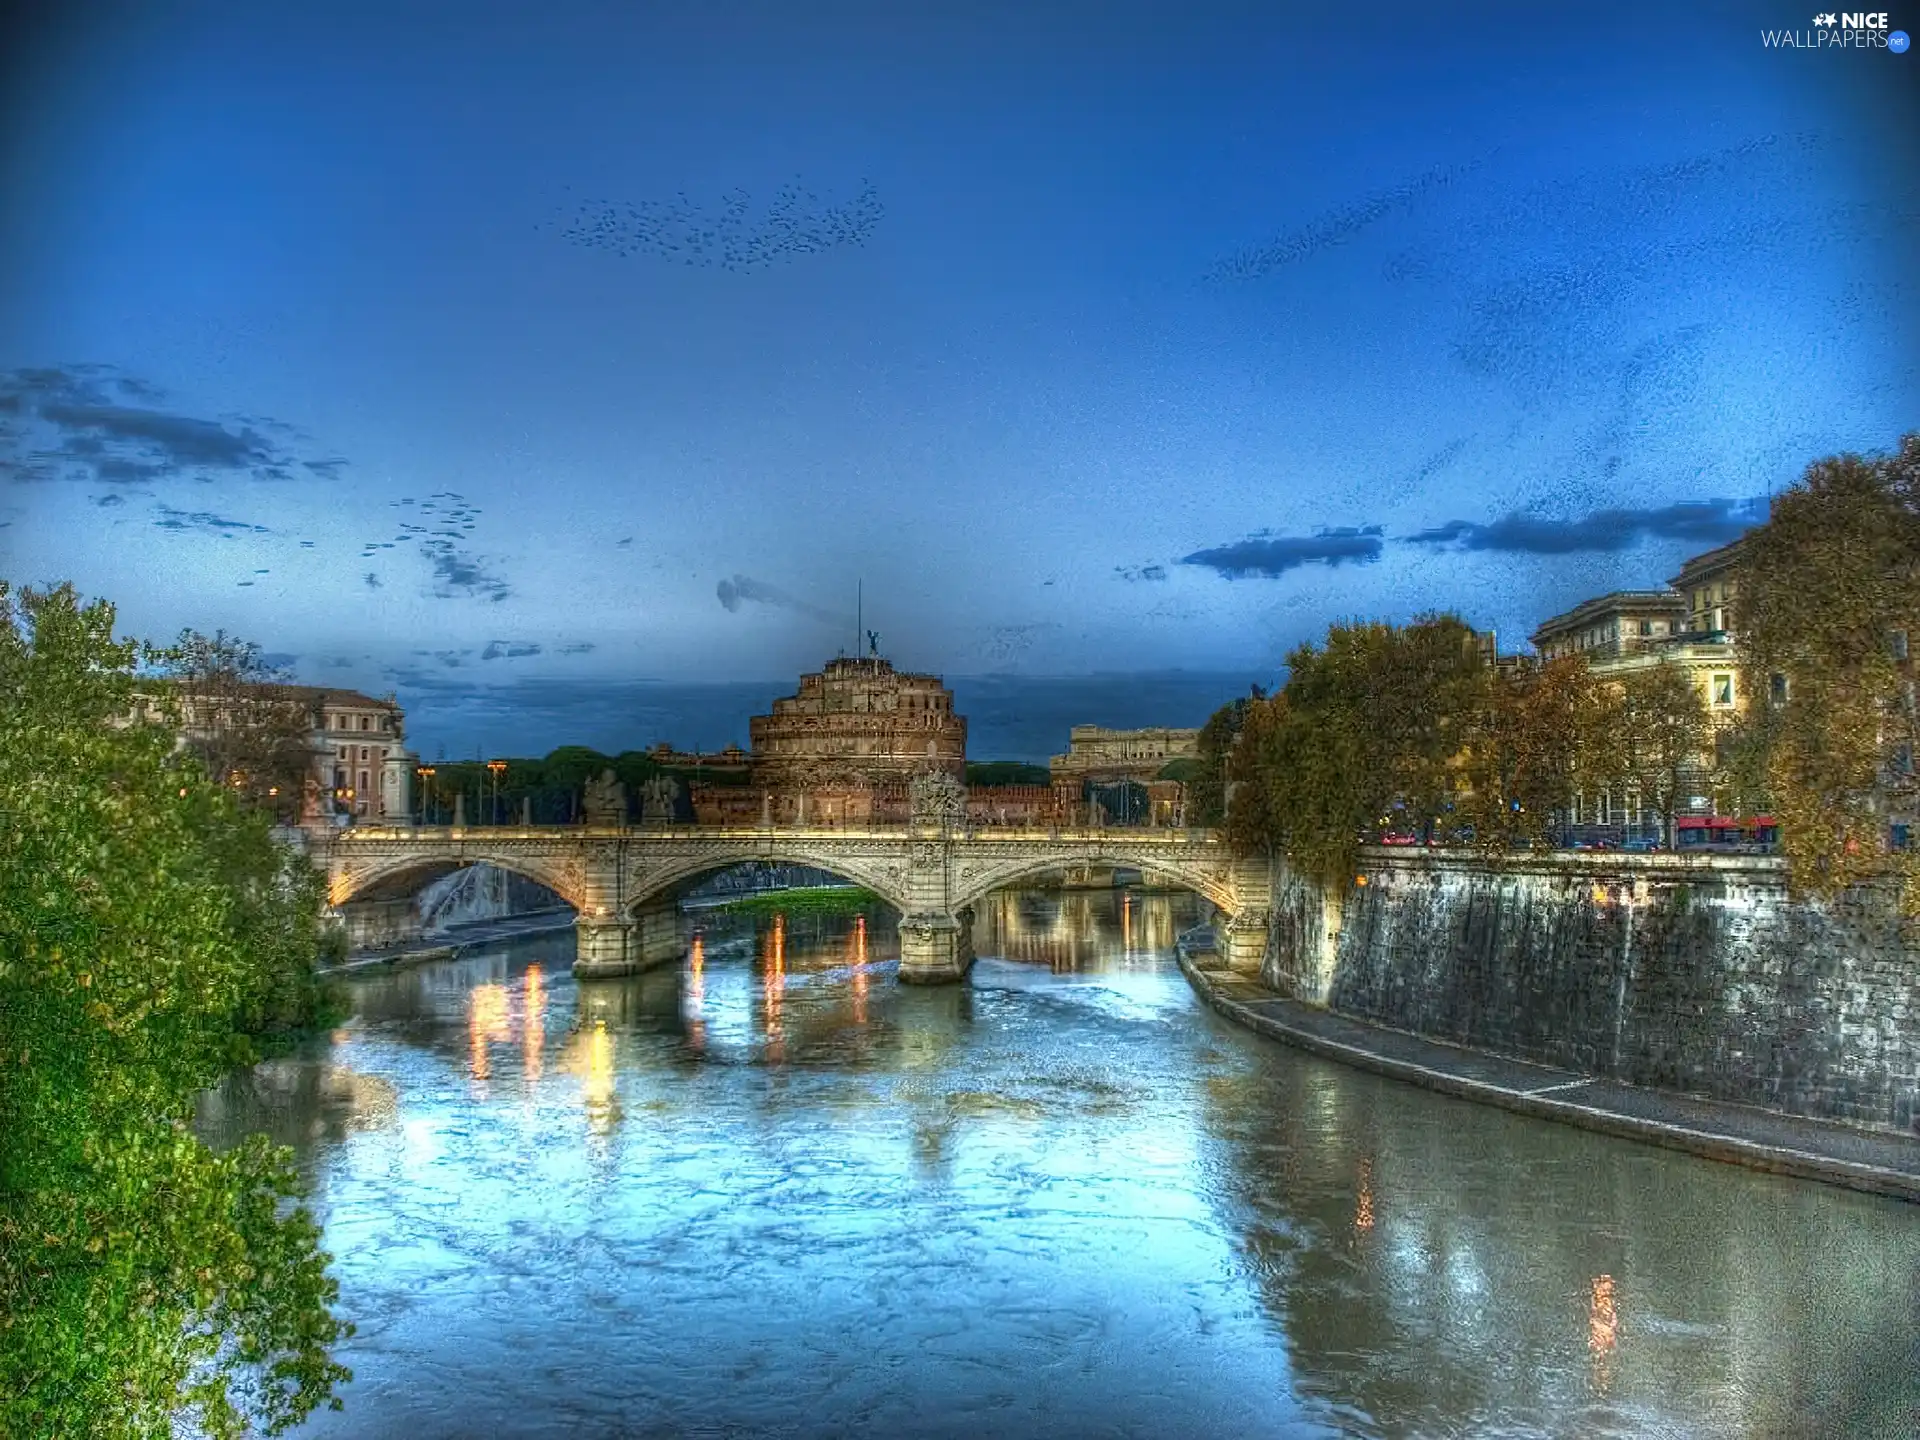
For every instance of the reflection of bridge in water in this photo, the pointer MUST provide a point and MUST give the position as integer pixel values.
(624, 883)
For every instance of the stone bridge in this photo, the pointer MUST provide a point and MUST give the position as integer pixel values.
(624, 881)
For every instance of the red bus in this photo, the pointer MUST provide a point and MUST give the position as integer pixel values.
(1719, 832)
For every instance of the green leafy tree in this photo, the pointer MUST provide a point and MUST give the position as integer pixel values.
(1826, 601)
(145, 921)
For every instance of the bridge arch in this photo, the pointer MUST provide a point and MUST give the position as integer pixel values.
(662, 879)
(1209, 884)
(406, 876)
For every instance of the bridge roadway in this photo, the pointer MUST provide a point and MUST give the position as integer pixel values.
(623, 881)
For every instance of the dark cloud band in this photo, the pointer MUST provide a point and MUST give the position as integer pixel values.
(1273, 555)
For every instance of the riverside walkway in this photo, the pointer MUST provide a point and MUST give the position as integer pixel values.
(1881, 1162)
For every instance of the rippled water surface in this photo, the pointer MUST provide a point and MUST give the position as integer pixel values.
(775, 1193)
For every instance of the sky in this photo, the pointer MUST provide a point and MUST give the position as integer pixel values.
(568, 369)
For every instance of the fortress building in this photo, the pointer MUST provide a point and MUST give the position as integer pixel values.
(843, 748)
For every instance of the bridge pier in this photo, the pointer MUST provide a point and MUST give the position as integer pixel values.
(645, 940)
(1246, 940)
(936, 949)
(377, 924)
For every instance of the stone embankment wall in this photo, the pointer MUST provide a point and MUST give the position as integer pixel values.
(1688, 973)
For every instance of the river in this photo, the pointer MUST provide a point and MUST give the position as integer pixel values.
(775, 1193)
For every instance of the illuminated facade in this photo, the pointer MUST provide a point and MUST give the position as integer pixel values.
(845, 745)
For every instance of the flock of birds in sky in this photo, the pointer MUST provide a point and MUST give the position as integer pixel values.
(731, 235)
(449, 516)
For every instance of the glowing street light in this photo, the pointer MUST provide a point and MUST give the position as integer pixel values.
(496, 768)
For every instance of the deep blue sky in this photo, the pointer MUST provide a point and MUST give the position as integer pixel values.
(1096, 339)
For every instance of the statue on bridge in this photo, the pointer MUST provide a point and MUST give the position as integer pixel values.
(936, 798)
(660, 801)
(603, 800)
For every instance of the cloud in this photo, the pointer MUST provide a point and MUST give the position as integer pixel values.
(204, 522)
(1141, 572)
(1272, 555)
(104, 501)
(372, 580)
(279, 660)
(579, 647)
(77, 425)
(1699, 522)
(509, 650)
(742, 588)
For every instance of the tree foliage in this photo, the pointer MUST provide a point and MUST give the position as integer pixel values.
(1371, 729)
(1662, 741)
(547, 786)
(1207, 786)
(1827, 594)
(234, 713)
(1007, 772)
(1546, 730)
(148, 929)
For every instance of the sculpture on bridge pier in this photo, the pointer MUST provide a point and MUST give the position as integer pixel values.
(603, 800)
(936, 798)
(660, 801)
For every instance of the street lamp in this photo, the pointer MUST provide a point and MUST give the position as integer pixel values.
(496, 768)
(425, 772)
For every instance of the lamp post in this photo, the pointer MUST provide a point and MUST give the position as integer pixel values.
(496, 768)
(425, 772)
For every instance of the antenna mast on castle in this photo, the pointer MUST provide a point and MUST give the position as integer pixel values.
(859, 615)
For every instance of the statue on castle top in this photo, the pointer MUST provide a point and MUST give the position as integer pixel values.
(603, 800)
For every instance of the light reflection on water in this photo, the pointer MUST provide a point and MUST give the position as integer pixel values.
(776, 1193)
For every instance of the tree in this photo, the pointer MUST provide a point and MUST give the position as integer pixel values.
(1374, 725)
(1827, 595)
(1662, 744)
(1207, 790)
(1544, 733)
(145, 916)
(237, 714)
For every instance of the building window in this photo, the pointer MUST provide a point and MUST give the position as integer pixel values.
(1902, 835)
(363, 752)
(1646, 628)
(1897, 643)
(1722, 690)
(1903, 759)
(366, 722)
(1777, 688)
